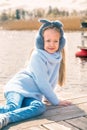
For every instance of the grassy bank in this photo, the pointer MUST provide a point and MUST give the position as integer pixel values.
(70, 24)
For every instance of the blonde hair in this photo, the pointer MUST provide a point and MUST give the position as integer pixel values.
(62, 70)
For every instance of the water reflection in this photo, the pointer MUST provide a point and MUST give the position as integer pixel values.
(82, 61)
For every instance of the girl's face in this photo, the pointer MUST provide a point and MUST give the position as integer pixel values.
(51, 40)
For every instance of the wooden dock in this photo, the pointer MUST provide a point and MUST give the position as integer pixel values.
(72, 117)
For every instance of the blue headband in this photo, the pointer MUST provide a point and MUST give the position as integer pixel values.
(39, 38)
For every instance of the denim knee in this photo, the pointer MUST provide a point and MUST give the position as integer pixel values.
(8, 108)
(38, 105)
(13, 102)
(11, 106)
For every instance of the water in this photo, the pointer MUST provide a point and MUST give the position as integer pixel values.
(15, 48)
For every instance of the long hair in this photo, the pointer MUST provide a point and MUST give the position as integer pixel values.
(62, 70)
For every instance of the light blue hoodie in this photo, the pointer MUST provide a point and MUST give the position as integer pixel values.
(39, 78)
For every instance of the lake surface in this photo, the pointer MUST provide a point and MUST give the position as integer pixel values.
(15, 47)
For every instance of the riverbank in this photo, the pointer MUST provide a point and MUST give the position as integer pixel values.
(70, 24)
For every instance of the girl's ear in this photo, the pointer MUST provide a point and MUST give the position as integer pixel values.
(39, 42)
(62, 43)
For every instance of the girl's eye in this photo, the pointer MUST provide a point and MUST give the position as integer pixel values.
(50, 41)
(47, 40)
(56, 41)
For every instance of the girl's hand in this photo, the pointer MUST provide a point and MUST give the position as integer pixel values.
(46, 102)
(64, 103)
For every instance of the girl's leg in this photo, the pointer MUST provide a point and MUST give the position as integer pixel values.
(32, 109)
(13, 101)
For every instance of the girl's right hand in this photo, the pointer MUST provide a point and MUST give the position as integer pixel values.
(64, 103)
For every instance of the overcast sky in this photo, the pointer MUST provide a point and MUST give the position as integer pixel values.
(31, 4)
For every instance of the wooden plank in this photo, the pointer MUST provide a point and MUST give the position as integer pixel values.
(78, 100)
(55, 126)
(27, 128)
(27, 124)
(36, 128)
(80, 123)
(68, 109)
(64, 113)
(68, 125)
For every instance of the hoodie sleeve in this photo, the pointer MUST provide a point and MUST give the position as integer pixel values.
(38, 68)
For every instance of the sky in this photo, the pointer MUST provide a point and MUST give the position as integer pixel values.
(31, 4)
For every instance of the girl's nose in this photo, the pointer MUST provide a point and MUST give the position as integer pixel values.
(51, 44)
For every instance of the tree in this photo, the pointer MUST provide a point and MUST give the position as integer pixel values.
(49, 10)
(55, 11)
(4, 16)
(18, 14)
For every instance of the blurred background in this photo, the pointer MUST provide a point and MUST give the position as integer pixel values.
(24, 14)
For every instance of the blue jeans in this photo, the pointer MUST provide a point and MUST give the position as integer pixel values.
(19, 108)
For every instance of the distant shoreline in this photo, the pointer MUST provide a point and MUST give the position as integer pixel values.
(70, 24)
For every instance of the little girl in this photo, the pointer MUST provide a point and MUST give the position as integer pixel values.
(25, 90)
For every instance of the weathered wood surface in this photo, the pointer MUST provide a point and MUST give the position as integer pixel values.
(72, 117)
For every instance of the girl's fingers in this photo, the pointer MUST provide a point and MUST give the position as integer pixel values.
(65, 103)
